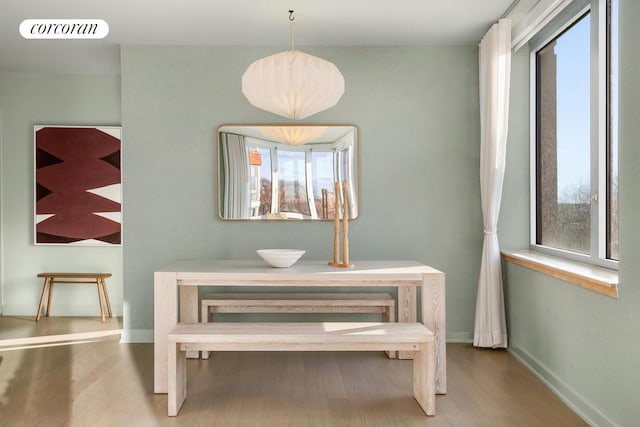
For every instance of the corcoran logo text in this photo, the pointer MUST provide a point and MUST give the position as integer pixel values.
(64, 29)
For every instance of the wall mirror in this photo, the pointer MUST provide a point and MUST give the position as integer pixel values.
(286, 172)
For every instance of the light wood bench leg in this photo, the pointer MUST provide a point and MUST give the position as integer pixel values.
(390, 316)
(424, 378)
(106, 295)
(204, 318)
(45, 287)
(100, 299)
(176, 378)
(51, 281)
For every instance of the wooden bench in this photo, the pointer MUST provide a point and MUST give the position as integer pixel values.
(298, 303)
(279, 302)
(98, 279)
(327, 336)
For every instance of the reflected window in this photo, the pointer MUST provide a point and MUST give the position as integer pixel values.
(322, 178)
(292, 182)
(264, 180)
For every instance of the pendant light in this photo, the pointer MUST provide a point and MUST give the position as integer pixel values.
(292, 84)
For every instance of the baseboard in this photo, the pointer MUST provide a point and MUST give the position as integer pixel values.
(588, 412)
(459, 337)
(136, 336)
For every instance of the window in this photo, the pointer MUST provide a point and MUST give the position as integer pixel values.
(575, 162)
(563, 143)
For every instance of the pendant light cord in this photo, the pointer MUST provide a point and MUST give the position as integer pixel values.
(291, 18)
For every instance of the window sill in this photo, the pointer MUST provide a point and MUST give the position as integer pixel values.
(597, 279)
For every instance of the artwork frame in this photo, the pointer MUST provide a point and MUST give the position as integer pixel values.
(77, 185)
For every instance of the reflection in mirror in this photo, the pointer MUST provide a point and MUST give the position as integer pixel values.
(286, 171)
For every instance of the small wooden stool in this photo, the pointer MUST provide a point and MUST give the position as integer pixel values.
(96, 278)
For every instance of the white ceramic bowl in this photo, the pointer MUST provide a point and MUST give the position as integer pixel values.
(281, 258)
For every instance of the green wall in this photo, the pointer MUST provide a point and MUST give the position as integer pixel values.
(1, 233)
(582, 344)
(418, 117)
(27, 99)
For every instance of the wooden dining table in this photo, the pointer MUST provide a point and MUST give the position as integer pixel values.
(176, 295)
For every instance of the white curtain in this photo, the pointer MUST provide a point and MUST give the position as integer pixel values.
(236, 200)
(495, 67)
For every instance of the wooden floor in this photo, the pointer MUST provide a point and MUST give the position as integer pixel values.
(105, 383)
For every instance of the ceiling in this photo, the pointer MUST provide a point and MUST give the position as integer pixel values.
(237, 22)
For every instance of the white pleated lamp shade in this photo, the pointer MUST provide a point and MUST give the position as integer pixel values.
(293, 84)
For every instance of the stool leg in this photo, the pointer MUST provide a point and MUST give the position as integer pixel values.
(51, 281)
(100, 300)
(44, 292)
(106, 295)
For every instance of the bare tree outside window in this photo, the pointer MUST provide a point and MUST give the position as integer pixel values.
(563, 77)
(293, 187)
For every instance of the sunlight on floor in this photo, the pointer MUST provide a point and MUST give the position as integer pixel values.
(8, 367)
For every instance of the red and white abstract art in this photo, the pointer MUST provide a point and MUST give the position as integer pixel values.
(78, 182)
